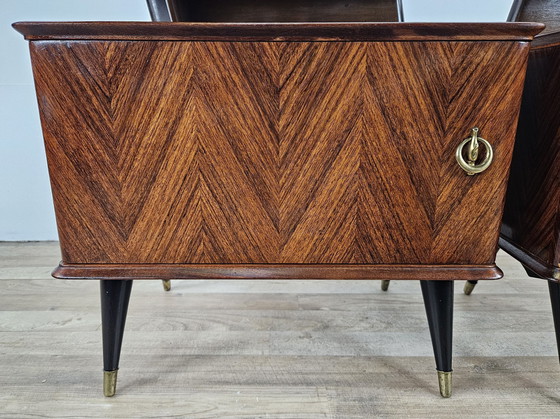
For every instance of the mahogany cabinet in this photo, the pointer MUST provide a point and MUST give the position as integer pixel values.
(317, 150)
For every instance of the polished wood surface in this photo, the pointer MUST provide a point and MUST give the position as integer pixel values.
(279, 32)
(531, 225)
(290, 153)
(270, 271)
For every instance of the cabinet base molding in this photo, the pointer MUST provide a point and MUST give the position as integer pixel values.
(276, 271)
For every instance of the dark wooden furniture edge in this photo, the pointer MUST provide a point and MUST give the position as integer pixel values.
(284, 271)
(545, 41)
(530, 261)
(278, 31)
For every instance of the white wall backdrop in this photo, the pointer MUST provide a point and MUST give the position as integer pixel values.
(456, 10)
(26, 211)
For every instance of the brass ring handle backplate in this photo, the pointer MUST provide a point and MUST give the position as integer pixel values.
(470, 165)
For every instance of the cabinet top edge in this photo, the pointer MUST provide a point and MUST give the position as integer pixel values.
(161, 31)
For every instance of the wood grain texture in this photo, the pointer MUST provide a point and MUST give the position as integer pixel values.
(295, 153)
(279, 32)
(531, 222)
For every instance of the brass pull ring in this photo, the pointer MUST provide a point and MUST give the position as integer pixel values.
(474, 142)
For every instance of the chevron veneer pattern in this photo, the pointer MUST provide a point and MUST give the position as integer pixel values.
(276, 152)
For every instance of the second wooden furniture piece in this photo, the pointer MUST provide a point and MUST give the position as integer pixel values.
(531, 226)
(318, 150)
(530, 229)
(545, 11)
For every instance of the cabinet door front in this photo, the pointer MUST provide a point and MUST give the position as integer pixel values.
(276, 152)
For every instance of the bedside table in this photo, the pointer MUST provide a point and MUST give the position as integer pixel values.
(278, 150)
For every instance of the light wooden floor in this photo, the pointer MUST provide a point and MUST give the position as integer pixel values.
(270, 349)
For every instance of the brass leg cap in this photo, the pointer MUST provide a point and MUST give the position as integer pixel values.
(469, 287)
(109, 383)
(445, 383)
(166, 285)
(385, 285)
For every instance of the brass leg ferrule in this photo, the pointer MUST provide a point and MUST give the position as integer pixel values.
(469, 287)
(445, 383)
(385, 285)
(166, 284)
(109, 383)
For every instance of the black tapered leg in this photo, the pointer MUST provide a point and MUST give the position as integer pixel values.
(554, 290)
(469, 287)
(115, 295)
(438, 299)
